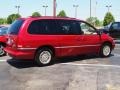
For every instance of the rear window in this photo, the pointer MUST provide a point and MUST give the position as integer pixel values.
(15, 27)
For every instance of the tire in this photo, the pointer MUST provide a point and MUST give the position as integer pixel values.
(44, 57)
(105, 50)
(2, 52)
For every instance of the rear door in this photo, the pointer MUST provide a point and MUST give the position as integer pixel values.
(91, 40)
(70, 37)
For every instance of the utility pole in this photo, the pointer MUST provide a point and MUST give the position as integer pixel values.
(54, 8)
(45, 6)
(95, 13)
(75, 6)
(96, 9)
(18, 8)
(108, 6)
(90, 8)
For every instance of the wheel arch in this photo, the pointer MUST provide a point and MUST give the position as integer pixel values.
(103, 43)
(107, 42)
(46, 46)
(101, 48)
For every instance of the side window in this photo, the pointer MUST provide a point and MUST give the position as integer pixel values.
(41, 27)
(54, 27)
(87, 29)
(36, 27)
(68, 27)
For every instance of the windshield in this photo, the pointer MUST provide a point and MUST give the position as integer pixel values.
(15, 27)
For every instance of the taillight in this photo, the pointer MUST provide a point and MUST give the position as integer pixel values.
(12, 43)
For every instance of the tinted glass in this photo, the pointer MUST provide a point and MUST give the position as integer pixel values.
(15, 27)
(41, 27)
(54, 27)
(68, 27)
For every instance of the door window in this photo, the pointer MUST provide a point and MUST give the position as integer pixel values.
(68, 27)
(87, 29)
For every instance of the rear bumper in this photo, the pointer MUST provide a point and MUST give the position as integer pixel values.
(20, 54)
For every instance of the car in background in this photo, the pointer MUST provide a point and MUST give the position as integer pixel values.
(1, 26)
(113, 29)
(3, 32)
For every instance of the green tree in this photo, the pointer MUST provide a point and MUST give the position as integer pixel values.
(1, 21)
(94, 21)
(5, 21)
(108, 18)
(62, 14)
(36, 14)
(11, 18)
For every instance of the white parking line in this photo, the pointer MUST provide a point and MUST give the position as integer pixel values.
(3, 60)
(92, 65)
(117, 48)
(95, 65)
(117, 55)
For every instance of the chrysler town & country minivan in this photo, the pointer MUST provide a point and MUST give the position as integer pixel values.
(43, 38)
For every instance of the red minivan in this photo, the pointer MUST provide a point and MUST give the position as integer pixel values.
(43, 38)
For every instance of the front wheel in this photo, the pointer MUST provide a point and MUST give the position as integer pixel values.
(44, 57)
(2, 52)
(105, 50)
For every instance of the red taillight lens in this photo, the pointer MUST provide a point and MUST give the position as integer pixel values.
(11, 42)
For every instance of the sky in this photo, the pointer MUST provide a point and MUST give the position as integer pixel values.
(27, 7)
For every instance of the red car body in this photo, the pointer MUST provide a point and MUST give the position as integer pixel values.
(2, 39)
(3, 32)
(25, 45)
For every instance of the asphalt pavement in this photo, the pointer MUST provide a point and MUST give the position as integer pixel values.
(74, 73)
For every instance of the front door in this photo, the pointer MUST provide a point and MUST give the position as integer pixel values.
(91, 40)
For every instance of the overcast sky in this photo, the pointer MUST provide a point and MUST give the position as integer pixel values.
(29, 6)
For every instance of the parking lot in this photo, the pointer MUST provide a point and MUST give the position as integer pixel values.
(76, 73)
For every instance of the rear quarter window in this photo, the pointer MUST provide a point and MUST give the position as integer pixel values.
(15, 27)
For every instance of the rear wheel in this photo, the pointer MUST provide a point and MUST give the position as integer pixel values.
(44, 57)
(105, 50)
(2, 52)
